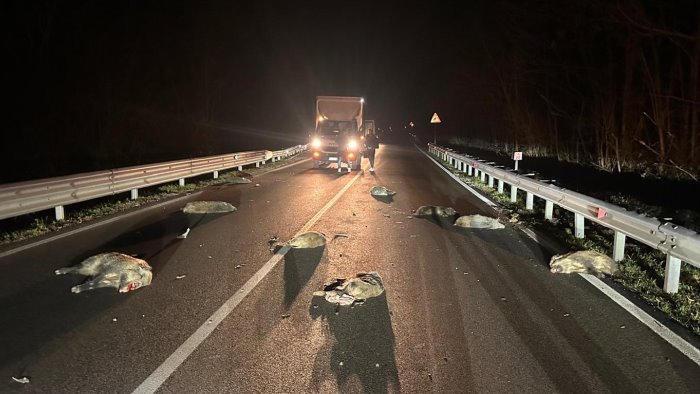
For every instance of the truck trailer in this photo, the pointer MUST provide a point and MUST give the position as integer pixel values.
(337, 137)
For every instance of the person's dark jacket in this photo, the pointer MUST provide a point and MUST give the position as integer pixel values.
(371, 141)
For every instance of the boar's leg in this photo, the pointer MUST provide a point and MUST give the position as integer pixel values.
(93, 284)
(66, 270)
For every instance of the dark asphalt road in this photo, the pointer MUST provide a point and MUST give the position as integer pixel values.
(470, 311)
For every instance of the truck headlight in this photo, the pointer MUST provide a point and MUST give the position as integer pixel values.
(352, 144)
(316, 143)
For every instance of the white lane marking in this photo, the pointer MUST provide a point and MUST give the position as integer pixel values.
(163, 372)
(93, 225)
(664, 332)
(461, 182)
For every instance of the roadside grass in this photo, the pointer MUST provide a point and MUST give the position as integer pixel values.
(40, 223)
(641, 271)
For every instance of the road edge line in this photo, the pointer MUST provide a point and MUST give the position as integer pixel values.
(656, 326)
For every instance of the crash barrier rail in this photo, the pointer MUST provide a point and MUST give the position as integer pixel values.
(32, 196)
(678, 243)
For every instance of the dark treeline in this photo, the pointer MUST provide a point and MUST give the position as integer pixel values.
(103, 84)
(613, 83)
(93, 86)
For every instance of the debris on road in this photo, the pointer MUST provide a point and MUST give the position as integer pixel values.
(308, 240)
(112, 269)
(237, 180)
(23, 379)
(184, 235)
(357, 290)
(272, 241)
(200, 207)
(435, 210)
(584, 261)
(478, 221)
(286, 315)
(180, 276)
(381, 191)
(239, 266)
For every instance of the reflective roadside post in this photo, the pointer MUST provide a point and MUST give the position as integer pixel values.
(517, 156)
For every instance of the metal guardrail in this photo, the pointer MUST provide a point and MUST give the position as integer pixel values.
(678, 243)
(31, 196)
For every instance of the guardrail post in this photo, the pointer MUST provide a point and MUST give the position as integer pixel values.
(548, 210)
(240, 168)
(182, 181)
(60, 212)
(134, 194)
(513, 193)
(483, 177)
(470, 170)
(216, 174)
(257, 164)
(529, 201)
(500, 186)
(673, 274)
(578, 225)
(491, 181)
(619, 246)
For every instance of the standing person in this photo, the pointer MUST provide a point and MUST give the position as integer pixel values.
(371, 144)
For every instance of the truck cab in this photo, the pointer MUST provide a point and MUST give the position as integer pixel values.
(337, 137)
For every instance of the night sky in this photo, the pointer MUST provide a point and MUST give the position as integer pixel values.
(97, 84)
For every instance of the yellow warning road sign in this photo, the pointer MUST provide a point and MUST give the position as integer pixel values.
(435, 118)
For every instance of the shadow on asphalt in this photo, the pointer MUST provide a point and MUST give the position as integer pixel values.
(299, 266)
(362, 345)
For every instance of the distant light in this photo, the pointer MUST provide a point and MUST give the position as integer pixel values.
(362, 100)
(316, 143)
(320, 118)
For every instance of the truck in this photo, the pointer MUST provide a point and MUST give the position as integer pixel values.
(337, 137)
